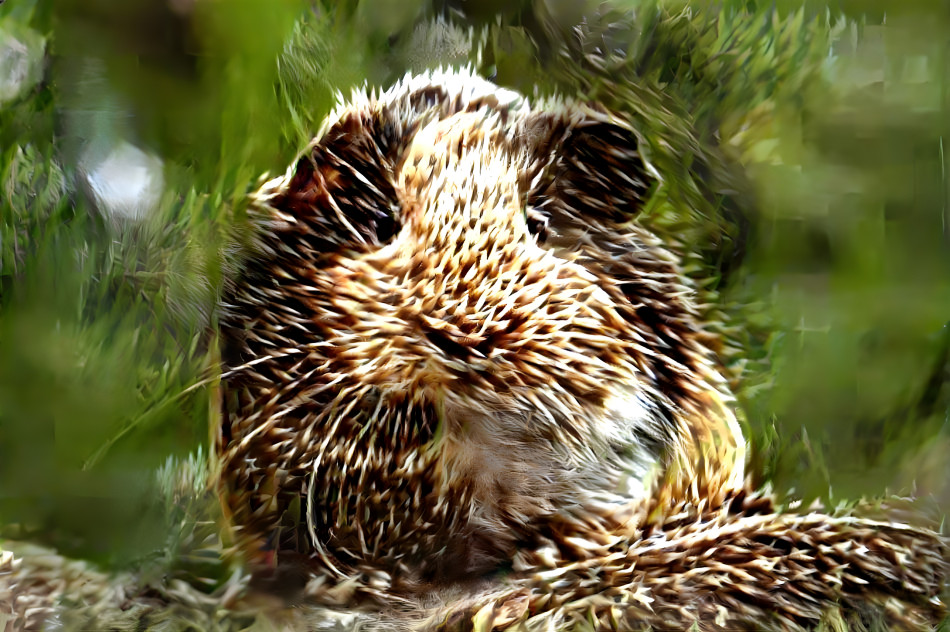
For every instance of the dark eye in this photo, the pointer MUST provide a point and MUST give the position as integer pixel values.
(537, 220)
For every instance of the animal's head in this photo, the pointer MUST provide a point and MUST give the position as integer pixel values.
(451, 282)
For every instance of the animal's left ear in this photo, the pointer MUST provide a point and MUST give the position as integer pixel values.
(596, 172)
(339, 193)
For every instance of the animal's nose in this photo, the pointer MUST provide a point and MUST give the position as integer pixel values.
(451, 340)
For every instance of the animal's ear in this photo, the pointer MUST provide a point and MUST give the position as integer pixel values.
(340, 191)
(595, 171)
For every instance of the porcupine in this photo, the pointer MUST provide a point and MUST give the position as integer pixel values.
(454, 351)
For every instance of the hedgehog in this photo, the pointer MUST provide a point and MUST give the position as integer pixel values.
(457, 364)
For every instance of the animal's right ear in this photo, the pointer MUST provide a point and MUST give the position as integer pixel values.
(340, 191)
(595, 171)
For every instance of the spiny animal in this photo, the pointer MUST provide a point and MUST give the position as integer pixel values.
(451, 331)
(454, 352)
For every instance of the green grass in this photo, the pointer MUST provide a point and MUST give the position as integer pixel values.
(809, 185)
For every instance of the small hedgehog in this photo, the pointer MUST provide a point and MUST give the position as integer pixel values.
(454, 352)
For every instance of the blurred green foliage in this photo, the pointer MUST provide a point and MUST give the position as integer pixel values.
(803, 151)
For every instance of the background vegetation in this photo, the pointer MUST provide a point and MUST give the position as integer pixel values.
(833, 283)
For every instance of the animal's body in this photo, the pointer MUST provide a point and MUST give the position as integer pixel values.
(454, 351)
(452, 330)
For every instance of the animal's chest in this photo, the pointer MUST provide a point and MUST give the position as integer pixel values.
(438, 510)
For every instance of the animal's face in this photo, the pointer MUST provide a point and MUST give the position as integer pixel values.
(451, 320)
